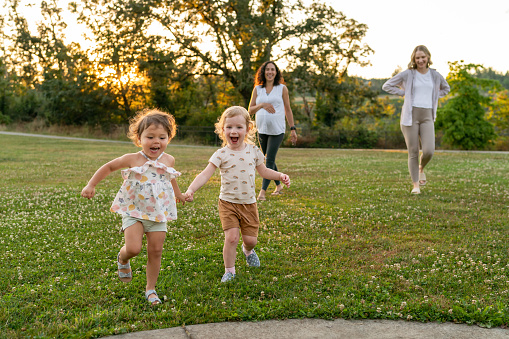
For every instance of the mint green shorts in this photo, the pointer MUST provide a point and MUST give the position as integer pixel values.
(148, 225)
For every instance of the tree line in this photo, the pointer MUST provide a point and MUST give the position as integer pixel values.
(193, 59)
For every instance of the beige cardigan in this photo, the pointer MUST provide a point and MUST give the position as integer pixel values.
(402, 84)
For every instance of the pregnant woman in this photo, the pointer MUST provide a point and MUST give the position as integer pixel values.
(270, 102)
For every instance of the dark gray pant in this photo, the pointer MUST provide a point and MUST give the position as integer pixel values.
(270, 145)
(423, 129)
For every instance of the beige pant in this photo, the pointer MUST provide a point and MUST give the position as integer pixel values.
(423, 128)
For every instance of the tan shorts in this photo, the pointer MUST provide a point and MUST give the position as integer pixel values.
(148, 225)
(243, 216)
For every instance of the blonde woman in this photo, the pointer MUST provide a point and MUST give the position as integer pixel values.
(421, 86)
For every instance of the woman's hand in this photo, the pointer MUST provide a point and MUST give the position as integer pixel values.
(293, 137)
(269, 108)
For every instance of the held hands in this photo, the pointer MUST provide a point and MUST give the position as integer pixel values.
(181, 198)
(189, 196)
(285, 179)
(88, 192)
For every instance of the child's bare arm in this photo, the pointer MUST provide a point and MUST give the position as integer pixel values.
(178, 194)
(200, 180)
(105, 170)
(270, 174)
(170, 161)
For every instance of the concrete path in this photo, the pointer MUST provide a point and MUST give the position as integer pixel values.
(322, 329)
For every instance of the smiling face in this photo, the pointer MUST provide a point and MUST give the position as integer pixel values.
(421, 60)
(270, 72)
(235, 131)
(154, 141)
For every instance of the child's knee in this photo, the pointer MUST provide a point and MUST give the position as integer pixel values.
(155, 251)
(132, 250)
(231, 236)
(250, 242)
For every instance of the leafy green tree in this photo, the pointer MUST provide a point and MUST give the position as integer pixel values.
(490, 73)
(52, 80)
(5, 84)
(498, 113)
(118, 29)
(462, 118)
(232, 38)
(319, 60)
(347, 97)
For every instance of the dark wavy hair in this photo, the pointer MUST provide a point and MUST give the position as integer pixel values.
(260, 75)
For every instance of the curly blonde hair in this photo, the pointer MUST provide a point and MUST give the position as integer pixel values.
(148, 117)
(231, 112)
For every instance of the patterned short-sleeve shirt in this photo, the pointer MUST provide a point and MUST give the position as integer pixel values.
(237, 169)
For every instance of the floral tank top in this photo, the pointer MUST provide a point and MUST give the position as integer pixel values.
(147, 192)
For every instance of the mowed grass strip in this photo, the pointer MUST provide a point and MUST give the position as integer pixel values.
(346, 240)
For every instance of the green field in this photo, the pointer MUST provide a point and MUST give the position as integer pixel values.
(347, 240)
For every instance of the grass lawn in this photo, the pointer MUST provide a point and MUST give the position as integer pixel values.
(347, 240)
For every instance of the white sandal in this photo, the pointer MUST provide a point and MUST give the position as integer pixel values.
(124, 277)
(153, 299)
(416, 190)
(422, 179)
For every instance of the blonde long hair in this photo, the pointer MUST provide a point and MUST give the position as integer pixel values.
(231, 112)
(422, 48)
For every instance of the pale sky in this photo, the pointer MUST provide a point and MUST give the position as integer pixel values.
(476, 32)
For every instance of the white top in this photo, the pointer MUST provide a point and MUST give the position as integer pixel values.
(147, 192)
(270, 123)
(402, 84)
(237, 169)
(423, 90)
